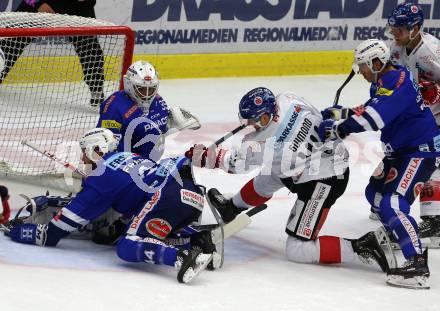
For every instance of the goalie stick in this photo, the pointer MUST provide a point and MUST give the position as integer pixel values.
(236, 225)
(224, 231)
(53, 157)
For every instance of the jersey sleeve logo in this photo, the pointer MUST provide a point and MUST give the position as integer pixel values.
(108, 103)
(130, 111)
(111, 124)
(384, 92)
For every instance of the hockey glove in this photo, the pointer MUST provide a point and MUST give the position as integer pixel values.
(202, 156)
(328, 130)
(335, 113)
(430, 92)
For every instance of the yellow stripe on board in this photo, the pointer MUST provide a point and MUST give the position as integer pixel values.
(250, 64)
(68, 69)
(53, 69)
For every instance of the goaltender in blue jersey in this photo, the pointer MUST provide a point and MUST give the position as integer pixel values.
(139, 116)
(160, 199)
(411, 142)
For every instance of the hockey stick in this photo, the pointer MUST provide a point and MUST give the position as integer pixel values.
(227, 135)
(222, 231)
(53, 157)
(236, 225)
(241, 221)
(338, 92)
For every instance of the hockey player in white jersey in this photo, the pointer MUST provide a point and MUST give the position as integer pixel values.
(420, 52)
(286, 147)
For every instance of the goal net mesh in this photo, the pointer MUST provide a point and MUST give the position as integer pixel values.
(57, 69)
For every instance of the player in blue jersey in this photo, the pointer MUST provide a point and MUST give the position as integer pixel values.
(412, 143)
(140, 116)
(159, 198)
(420, 52)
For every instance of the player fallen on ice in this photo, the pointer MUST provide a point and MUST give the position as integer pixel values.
(286, 148)
(411, 144)
(140, 116)
(420, 53)
(159, 199)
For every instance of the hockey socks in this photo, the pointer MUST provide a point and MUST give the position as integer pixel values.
(137, 249)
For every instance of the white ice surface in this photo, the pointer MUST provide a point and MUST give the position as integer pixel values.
(78, 275)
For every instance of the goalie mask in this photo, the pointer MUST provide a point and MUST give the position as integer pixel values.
(141, 83)
(98, 139)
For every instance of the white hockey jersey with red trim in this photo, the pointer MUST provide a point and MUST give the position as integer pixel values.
(289, 146)
(423, 62)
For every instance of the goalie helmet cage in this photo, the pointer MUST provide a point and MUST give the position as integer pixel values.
(54, 65)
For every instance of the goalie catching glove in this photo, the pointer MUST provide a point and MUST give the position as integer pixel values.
(181, 119)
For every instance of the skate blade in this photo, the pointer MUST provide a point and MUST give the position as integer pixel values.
(417, 282)
(432, 242)
(202, 262)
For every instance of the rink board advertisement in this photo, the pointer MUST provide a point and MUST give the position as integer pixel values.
(188, 27)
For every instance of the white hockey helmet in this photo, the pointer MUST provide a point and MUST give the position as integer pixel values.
(141, 83)
(369, 50)
(97, 139)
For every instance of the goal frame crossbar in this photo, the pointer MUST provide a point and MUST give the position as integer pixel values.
(80, 31)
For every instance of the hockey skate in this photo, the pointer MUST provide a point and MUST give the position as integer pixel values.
(413, 274)
(190, 263)
(227, 210)
(369, 250)
(209, 242)
(429, 231)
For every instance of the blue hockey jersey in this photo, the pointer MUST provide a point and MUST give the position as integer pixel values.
(139, 132)
(396, 108)
(123, 181)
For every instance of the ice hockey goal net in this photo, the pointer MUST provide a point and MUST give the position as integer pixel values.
(56, 68)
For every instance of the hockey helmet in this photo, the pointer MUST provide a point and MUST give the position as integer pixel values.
(141, 83)
(406, 14)
(255, 103)
(369, 50)
(97, 139)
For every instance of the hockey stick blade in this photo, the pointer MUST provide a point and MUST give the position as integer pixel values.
(241, 221)
(251, 212)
